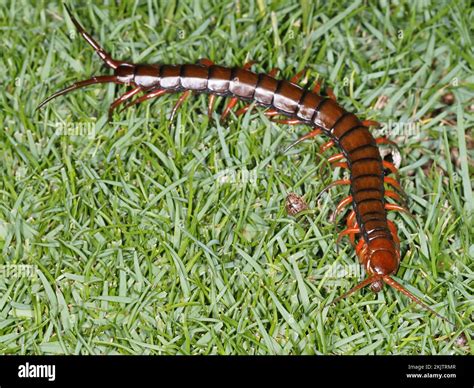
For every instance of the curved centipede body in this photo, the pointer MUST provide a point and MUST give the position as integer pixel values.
(371, 233)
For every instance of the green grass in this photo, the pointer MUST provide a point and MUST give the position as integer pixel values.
(151, 237)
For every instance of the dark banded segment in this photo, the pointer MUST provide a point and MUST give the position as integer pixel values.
(347, 120)
(308, 105)
(355, 137)
(194, 77)
(365, 182)
(367, 151)
(362, 147)
(327, 114)
(368, 167)
(370, 205)
(376, 226)
(147, 76)
(373, 215)
(265, 89)
(287, 97)
(374, 234)
(170, 76)
(365, 159)
(219, 79)
(243, 83)
(363, 195)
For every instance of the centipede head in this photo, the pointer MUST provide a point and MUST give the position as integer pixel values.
(124, 72)
(381, 258)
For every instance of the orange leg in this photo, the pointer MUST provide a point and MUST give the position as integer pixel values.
(248, 65)
(243, 110)
(351, 223)
(391, 206)
(210, 106)
(232, 102)
(309, 135)
(297, 76)
(361, 249)
(326, 146)
(384, 140)
(394, 231)
(181, 99)
(336, 157)
(122, 99)
(370, 123)
(346, 201)
(341, 164)
(148, 96)
(360, 245)
(273, 72)
(271, 113)
(330, 93)
(351, 218)
(317, 87)
(335, 183)
(206, 62)
(390, 181)
(390, 166)
(346, 232)
(393, 194)
(289, 121)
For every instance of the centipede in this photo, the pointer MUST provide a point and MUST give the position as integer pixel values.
(373, 236)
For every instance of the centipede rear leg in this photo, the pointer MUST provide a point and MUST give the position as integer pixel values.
(153, 93)
(124, 97)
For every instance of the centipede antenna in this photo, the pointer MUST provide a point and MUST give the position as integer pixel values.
(362, 284)
(392, 283)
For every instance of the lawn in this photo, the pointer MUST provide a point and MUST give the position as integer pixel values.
(145, 236)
